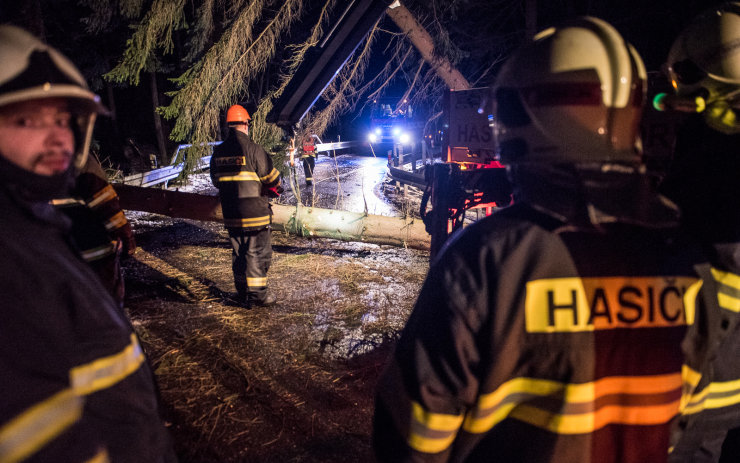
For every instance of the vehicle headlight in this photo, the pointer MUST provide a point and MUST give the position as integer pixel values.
(396, 131)
(372, 138)
(378, 131)
(404, 139)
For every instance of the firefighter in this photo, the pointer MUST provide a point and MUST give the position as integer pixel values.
(100, 228)
(704, 66)
(550, 331)
(308, 156)
(245, 177)
(76, 386)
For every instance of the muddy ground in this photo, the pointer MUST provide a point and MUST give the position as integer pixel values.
(289, 383)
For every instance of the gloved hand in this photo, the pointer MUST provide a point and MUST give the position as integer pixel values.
(273, 192)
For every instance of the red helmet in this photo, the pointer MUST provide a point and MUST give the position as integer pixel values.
(237, 114)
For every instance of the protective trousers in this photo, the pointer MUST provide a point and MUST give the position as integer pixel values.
(309, 163)
(250, 260)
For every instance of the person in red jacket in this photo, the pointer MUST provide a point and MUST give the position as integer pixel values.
(308, 156)
(76, 384)
(245, 177)
(551, 330)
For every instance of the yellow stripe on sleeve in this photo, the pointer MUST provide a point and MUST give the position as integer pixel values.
(107, 371)
(28, 432)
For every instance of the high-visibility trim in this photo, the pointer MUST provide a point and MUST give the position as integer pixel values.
(99, 252)
(689, 301)
(245, 223)
(309, 179)
(728, 291)
(727, 278)
(691, 380)
(117, 221)
(102, 196)
(64, 202)
(714, 395)
(237, 177)
(690, 376)
(271, 177)
(432, 432)
(728, 302)
(587, 304)
(579, 408)
(107, 371)
(256, 282)
(101, 457)
(28, 432)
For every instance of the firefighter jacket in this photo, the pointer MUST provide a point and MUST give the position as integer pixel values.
(243, 172)
(548, 332)
(76, 386)
(705, 181)
(100, 228)
(308, 147)
(98, 220)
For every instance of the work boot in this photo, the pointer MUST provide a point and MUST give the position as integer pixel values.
(267, 301)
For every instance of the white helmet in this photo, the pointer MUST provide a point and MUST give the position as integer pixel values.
(32, 70)
(573, 94)
(704, 61)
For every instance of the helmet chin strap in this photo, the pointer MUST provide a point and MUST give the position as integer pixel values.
(84, 144)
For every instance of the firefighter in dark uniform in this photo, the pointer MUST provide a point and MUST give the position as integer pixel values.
(704, 66)
(308, 157)
(245, 177)
(100, 228)
(550, 331)
(76, 386)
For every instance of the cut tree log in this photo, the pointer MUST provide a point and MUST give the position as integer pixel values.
(297, 220)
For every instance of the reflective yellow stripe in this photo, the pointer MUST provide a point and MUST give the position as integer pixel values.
(256, 282)
(117, 221)
(728, 302)
(101, 457)
(237, 177)
(28, 432)
(432, 432)
(106, 194)
(107, 371)
(61, 202)
(655, 398)
(691, 379)
(728, 291)
(727, 278)
(93, 254)
(252, 222)
(269, 178)
(640, 415)
(689, 301)
(715, 395)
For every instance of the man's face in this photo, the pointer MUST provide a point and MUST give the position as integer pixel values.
(37, 136)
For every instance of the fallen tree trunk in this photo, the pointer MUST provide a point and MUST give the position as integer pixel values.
(423, 42)
(298, 220)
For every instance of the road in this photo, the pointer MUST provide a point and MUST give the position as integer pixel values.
(347, 182)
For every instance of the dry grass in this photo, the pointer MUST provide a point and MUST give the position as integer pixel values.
(292, 382)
